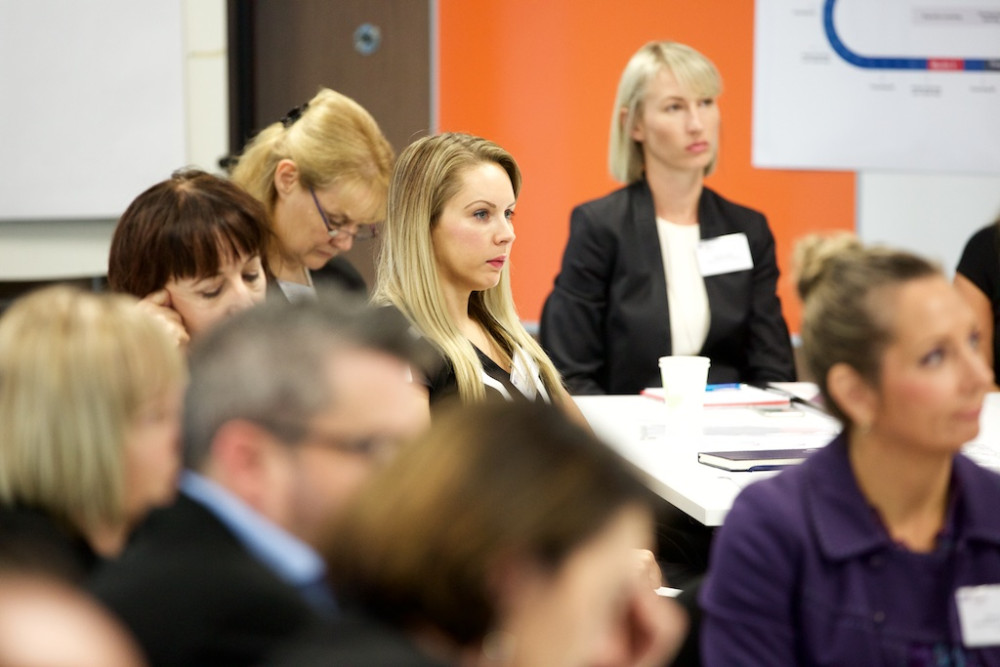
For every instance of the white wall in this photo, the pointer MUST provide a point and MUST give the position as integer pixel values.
(58, 249)
(931, 214)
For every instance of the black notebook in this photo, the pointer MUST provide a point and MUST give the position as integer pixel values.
(754, 459)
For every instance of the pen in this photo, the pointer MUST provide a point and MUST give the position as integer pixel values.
(725, 385)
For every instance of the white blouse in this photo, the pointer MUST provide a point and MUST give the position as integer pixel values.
(686, 295)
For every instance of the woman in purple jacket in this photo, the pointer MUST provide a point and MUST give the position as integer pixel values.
(883, 548)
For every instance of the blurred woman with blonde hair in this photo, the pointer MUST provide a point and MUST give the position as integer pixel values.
(322, 174)
(90, 391)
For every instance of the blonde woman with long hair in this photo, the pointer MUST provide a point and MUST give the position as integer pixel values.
(445, 263)
(321, 173)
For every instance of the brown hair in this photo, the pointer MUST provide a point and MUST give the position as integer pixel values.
(487, 482)
(185, 226)
(847, 315)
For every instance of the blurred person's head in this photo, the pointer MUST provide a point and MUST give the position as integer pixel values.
(197, 236)
(322, 174)
(657, 76)
(890, 342)
(90, 391)
(503, 528)
(47, 623)
(291, 406)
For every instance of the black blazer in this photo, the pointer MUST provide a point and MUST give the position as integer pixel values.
(192, 595)
(32, 540)
(606, 322)
(354, 639)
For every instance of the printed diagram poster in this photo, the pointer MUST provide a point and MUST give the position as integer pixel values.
(910, 85)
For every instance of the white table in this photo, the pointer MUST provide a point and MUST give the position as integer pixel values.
(668, 462)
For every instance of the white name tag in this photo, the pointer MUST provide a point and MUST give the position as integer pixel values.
(979, 614)
(724, 254)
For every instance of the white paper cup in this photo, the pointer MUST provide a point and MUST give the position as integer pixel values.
(684, 381)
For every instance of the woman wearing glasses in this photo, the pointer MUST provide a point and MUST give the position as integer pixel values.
(322, 173)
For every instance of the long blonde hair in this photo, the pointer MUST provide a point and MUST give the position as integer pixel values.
(75, 370)
(331, 139)
(428, 174)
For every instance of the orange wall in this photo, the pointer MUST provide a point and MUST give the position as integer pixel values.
(539, 78)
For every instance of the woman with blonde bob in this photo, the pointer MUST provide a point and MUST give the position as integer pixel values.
(665, 265)
(90, 390)
(321, 173)
(882, 548)
(445, 264)
(503, 536)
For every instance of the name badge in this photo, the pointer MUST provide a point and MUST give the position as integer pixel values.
(979, 614)
(724, 254)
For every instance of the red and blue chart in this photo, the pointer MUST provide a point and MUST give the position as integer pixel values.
(910, 85)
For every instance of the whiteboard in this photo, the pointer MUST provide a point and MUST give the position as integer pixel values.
(91, 104)
(904, 85)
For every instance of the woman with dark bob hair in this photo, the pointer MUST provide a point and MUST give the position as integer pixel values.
(882, 548)
(506, 535)
(192, 248)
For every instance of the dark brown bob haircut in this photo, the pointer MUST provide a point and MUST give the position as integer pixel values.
(184, 227)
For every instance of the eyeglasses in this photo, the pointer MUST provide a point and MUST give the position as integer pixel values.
(375, 448)
(362, 233)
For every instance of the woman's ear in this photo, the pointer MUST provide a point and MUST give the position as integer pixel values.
(855, 397)
(635, 132)
(286, 176)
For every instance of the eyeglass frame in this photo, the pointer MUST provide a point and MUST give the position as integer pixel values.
(336, 230)
(370, 447)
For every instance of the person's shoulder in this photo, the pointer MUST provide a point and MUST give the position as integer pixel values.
(353, 639)
(985, 238)
(616, 199)
(32, 539)
(340, 273)
(780, 501)
(730, 209)
(981, 484)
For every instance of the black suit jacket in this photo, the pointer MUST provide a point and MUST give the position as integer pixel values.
(354, 640)
(606, 322)
(192, 595)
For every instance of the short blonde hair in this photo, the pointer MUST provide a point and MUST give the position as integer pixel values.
(332, 139)
(693, 71)
(75, 370)
(428, 174)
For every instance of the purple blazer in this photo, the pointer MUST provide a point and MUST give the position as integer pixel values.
(803, 572)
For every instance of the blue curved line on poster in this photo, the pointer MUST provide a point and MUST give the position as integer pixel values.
(876, 62)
